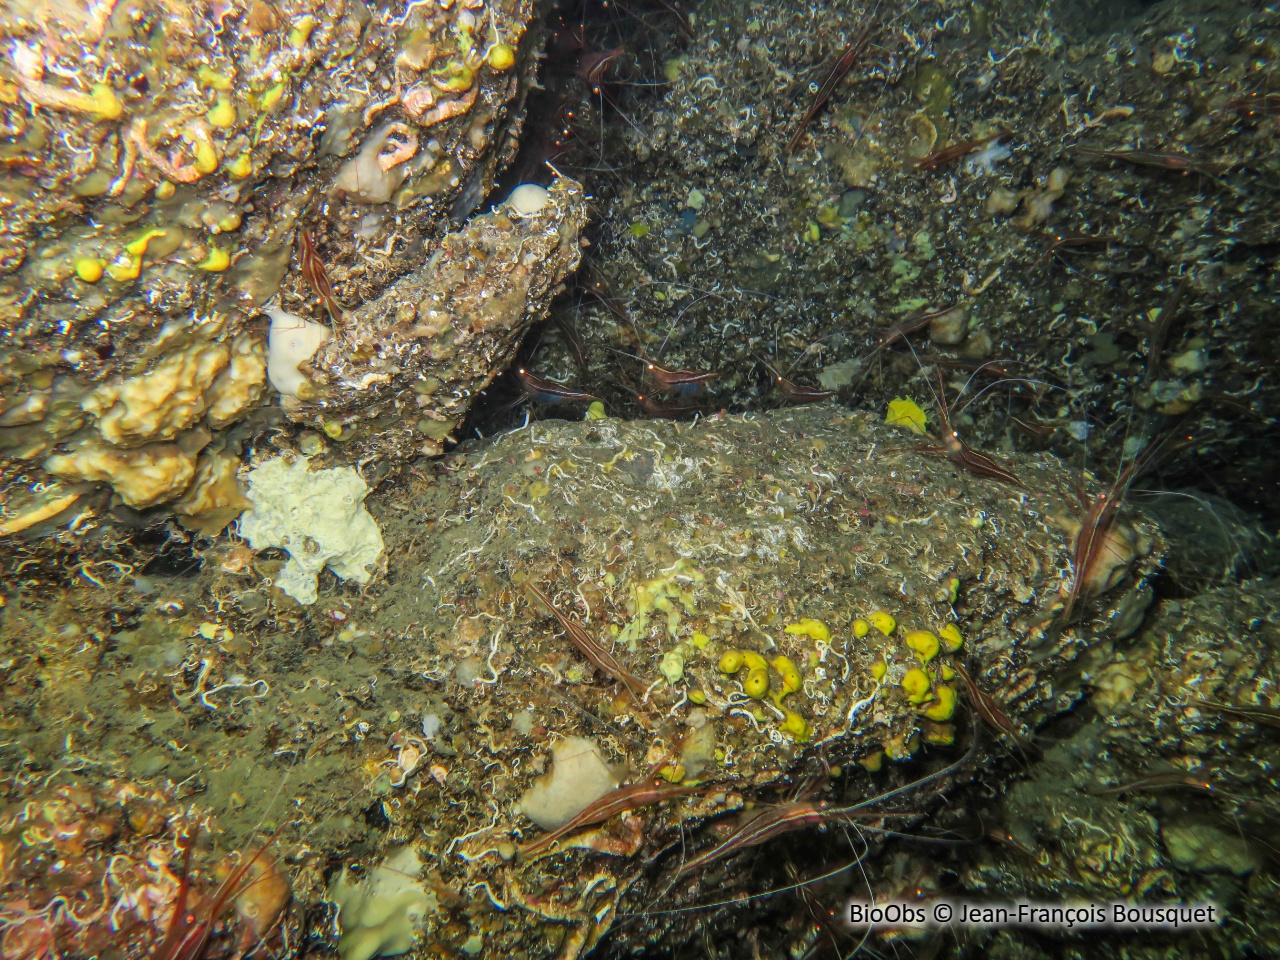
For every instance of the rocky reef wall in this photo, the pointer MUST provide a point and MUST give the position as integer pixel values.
(733, 609)
(171, 170)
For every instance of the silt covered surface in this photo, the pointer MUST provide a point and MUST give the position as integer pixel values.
(1088, 186)
(420, 708)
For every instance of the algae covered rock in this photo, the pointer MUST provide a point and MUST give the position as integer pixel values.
(399, 373)
(823, 584)
(161, 166)
(745, 229)
(1162, 789)
(1208, 849)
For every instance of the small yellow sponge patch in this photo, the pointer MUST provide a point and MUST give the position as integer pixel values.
(945, 707)
(88, 269)
(905, 414)
(884, 622)
(502, 56)
(757, 684)
(813, 629)
(795, 725)
(951, 637)
(916, 685)
(925, 645)
(732, 661)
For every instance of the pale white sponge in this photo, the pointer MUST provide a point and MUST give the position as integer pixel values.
(319, 517)
(290, 341)
(578, 777)
(381, 915)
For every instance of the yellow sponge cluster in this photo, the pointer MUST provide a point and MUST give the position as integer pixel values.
(918, 683)
(757, 684)
(937, 701)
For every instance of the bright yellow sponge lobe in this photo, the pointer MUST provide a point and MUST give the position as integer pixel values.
(883, 622)
(731, 662)
(813, 629)
(757, 684)
(916, 685)
(925, 645)
(951, 636)
(945, 707)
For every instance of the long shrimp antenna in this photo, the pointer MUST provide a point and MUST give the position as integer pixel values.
(746, 898)
(624, 353)
(1003, 380)
(879, 798)
(679, 316)
(938, 400)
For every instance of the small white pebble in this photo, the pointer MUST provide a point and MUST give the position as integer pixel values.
(527, 199)
(468, 671)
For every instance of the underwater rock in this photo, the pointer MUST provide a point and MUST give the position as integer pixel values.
(1208, 849)
(152, 203)
(950, 327)
(792, 274)
(1213, 542)
(400, 372)
(1162, 791)
(318, 516)
(823, 583)
(763, 548)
